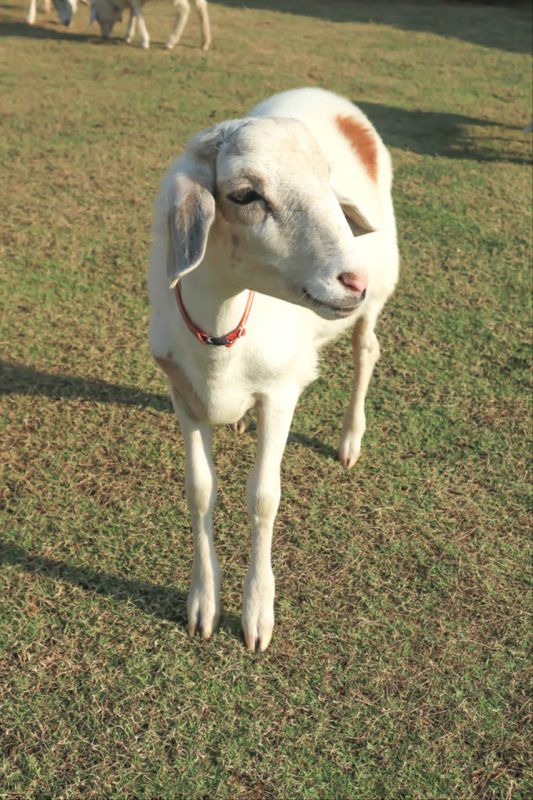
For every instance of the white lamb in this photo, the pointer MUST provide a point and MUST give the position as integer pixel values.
(107, 12)
(292, 203)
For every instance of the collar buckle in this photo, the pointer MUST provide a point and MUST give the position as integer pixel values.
(219, 341)
(229, 339)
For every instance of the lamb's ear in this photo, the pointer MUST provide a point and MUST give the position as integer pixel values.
(359, 223)
(190, 217)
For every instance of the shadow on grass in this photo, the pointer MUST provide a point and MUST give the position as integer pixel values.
(437, 133)
(163, 602)
(8, 28)
(16, 378)
(313, 444)
(12, 29)
(301, 438)
(473, 22)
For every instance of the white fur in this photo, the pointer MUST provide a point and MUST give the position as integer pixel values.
(292, 152)
(65, 10)
(107, 12)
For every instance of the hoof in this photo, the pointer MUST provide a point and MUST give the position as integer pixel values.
(258, 613)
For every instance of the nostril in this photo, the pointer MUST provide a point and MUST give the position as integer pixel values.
(354, 283)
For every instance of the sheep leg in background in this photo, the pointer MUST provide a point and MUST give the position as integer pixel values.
(47, 6)
(32, 11)
(132, 24)
(143, 30)
(182, 15)
(201, 8)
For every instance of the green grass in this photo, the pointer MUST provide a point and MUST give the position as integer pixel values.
(399, 665)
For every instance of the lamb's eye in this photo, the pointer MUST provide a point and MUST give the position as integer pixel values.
(244, 197)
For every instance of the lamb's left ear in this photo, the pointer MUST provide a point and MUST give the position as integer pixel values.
(359, 223)
(189, 220)
(359, 198)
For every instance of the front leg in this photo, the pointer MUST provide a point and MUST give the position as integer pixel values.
(365, 351)
(203, 603)
(273, 423)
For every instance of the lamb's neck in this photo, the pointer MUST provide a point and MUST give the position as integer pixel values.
(211, 302)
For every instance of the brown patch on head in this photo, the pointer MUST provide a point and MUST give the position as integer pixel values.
(362, 141)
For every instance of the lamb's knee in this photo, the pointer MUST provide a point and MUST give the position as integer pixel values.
(263, 501)
(201, 495)
(365, 345)
(372, 346)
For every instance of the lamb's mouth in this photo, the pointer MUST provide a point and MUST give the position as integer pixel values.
(339, 311)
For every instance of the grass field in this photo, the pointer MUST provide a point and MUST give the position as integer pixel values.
(399, 664)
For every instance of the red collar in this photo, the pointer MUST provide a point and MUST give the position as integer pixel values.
(229, 339)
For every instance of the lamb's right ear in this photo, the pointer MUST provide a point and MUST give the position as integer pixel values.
(190, 217)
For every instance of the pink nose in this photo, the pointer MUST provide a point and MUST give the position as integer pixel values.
(355, 282)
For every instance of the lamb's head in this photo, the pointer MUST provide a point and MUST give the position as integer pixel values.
(254, 197)
(66, 10)
(105, 13)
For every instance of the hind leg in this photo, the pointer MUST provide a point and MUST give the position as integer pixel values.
(242, 425)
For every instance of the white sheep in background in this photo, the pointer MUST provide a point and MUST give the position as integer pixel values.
(293, 202)
(65, 9)
(107, 12)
